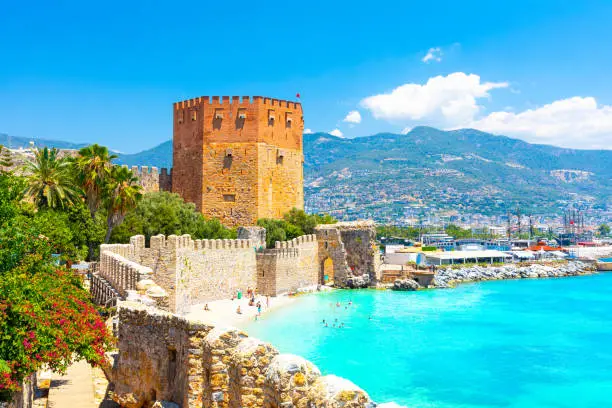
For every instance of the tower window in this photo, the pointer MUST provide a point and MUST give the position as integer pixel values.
(229, 197)
(271, 117)
(194, 115)
(179, 116)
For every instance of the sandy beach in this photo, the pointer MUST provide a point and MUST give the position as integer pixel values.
(223, 312)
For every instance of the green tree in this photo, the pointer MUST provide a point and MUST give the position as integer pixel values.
(457, 232)
(50, 179)
(307, 222)
(167, 213)
(94, 164)
(121, 195)
(604, 230)
(276, 230)
(295, 223)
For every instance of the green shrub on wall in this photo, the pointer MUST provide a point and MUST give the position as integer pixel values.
(294, 224)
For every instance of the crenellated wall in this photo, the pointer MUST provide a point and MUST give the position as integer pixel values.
(192, 272)
(151, 179)
(289, 266)
(164, 357)
(118, 276)
(189, 271)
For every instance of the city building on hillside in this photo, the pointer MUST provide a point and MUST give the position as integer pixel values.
(239, 159)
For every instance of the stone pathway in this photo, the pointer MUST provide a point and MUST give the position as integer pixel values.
(73, 390)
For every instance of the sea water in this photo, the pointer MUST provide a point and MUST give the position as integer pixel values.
(521, 343)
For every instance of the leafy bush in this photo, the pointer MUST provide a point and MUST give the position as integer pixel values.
(167, 213)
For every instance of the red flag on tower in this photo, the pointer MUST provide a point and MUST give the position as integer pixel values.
(297, 95)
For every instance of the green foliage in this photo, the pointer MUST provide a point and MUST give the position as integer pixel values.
(46, 318)
(121, 195)
(399, 232)
(50, 179)
(166, 213)
(429, 248)
(604, 230)
(307, 222)
(457, 232)
(295, 223)
(93, 167)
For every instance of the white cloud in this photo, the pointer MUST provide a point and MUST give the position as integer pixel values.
(577, 122)
(433, 54)
(450, 100)
(406, 130)
(308, 131)
(337, 133)
(353, 117)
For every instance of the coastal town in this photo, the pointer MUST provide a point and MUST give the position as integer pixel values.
(173, 299)
(340, 205)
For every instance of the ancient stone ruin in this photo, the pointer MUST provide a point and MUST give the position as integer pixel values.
(164, 356)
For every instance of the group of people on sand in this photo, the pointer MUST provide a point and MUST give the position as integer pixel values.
(251, 295)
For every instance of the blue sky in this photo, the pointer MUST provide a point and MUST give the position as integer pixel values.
(108, 72)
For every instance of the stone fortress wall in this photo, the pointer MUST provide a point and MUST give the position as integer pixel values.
(192, 272)
(152, 179)
(164, 357)
(289, 266)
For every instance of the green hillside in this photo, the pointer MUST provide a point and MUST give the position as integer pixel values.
(464, 170)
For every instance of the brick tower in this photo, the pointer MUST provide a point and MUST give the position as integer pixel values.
(241, 159)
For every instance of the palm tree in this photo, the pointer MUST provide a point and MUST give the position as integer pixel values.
(122, 195)
(94, 165)
(50, 179)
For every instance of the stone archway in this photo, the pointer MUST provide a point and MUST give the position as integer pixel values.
(327, 271)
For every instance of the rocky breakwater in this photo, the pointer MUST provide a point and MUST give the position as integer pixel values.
(448, 277)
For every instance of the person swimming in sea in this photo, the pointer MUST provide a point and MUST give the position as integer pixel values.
(337, 304)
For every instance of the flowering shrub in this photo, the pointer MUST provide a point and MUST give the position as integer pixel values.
(46, 317)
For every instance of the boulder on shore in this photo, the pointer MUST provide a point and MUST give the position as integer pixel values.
(356, 282)
(406, 284)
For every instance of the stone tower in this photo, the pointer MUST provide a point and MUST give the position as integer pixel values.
(239, 159)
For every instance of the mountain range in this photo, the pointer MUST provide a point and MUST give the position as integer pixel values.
(463, 169)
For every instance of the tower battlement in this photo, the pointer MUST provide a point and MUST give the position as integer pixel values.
(236, 101)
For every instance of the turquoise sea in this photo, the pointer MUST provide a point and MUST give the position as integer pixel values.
(523, 343)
